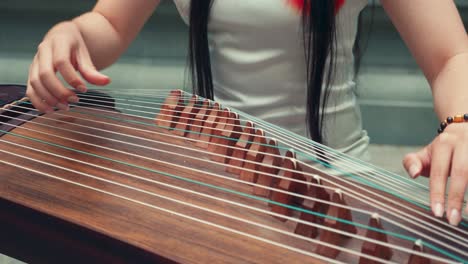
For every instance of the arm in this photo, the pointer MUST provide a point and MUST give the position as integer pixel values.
(81, 46)
(434, 32)
(111, 26)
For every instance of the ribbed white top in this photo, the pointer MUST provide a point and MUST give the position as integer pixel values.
(258, 67)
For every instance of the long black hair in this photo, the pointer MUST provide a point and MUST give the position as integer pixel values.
(318, 23)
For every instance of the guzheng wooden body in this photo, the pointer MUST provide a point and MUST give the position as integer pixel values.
(186, 180)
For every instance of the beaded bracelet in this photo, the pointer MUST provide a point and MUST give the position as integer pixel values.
(449, 120)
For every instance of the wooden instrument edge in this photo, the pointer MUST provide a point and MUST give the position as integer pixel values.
(86, 234)
(34, 237)
(24, 232)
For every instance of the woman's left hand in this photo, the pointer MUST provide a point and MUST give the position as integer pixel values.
(446, 155)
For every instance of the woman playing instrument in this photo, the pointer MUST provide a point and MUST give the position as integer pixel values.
(285, 61)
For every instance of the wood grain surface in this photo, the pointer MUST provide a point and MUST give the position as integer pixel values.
(96, 186)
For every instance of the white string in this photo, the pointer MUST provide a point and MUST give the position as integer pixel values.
(400, 192)
(366, 197)
(375, 179)
(349, 251)
(191, 157)
(396, 247)
(161, 150)
(302, 141)
(98, 146)
(385, 173)
(392, 179)
(418, 197)
(394, 209)
(425, 201)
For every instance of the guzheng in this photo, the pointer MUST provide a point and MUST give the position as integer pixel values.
(134, 176)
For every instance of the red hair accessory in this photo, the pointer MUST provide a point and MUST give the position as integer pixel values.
(299, 4)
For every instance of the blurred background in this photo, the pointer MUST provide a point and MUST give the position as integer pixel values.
(395, 98)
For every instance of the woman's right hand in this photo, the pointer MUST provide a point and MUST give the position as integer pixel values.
(63, 50)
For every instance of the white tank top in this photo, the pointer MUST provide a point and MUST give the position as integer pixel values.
(258, 67)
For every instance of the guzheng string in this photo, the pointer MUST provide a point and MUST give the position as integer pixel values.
(215, 212)
(177, 213)
(388, 181)
(327, 157)
(426, 216)
(99, 178)
(258, 122)
(198, 207)
(199, 159)
(214, 198)
(374, 185)
(391, 178)
(255, 184)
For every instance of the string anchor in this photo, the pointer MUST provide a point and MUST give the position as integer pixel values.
(226, 138)
(254, 155)
(170, 110)
(416, 259)
(270, 166)
(240, 149)
(293, 171)
(335, 221)
(208, 126)
(320, 194)
(186, 117)
(372, 249)
(198, 121)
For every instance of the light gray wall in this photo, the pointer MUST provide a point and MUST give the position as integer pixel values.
(395, 98)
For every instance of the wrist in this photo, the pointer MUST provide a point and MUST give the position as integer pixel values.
(461, 118)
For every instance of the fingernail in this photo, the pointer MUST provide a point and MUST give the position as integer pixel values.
(438, 210)
(73, 99)
(454, 218)
(82, 88)
(63, 107)
(413, 170)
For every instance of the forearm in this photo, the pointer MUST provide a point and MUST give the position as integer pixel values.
(432, 29)
(434, 32)
(104, 42)
(450, 87)
(109, 29)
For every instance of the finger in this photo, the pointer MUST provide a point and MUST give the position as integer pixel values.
(40, 105)
(440, 168)
(458, 182)
(418, 163)
(63, 64)
(49, 78)
(87, 69)
(36, 85)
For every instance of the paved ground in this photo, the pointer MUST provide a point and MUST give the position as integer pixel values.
(388, 157)
(6, 260)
